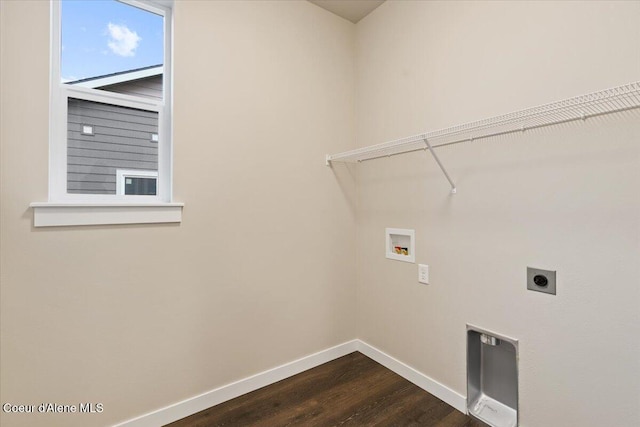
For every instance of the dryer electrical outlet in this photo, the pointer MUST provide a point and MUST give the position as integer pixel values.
(541, 280)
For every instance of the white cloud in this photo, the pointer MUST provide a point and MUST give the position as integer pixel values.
(122, 41)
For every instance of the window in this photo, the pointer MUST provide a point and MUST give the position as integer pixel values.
(110, 132)
(110, 97)
(136, 182)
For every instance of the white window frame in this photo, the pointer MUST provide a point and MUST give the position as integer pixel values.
(123, 174)
(78, 204)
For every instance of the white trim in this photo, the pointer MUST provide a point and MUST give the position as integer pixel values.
(426, 383)
(67, 214)
(57, 115)
(156, 6)
(119, 78)
(227, 392)
(208, 399)
(165, 119)
(121, 174)
(114, 98)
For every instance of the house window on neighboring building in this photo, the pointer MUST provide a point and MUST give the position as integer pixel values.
(110, 92)
(136, 182)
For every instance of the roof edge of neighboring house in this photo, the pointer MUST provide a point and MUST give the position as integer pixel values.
(120, 77)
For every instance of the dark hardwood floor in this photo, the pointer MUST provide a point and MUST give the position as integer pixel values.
(350, 391)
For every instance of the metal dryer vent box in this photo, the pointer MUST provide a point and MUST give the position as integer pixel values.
(492, 377)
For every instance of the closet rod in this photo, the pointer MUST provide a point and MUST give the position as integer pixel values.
(617, 99)
(467, 139)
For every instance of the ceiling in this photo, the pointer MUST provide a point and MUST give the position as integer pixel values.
(352, 10)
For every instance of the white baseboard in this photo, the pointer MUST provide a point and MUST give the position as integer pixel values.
(430, 385)
(210, 398)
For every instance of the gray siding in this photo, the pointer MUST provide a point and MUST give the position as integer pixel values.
(121, 140)
(150, 87)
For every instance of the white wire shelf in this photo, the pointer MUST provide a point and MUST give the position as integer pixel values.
(621, 98)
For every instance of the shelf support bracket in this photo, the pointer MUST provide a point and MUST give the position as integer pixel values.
(435, 156)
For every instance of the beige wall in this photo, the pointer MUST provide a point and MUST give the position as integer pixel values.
(259, 273)
(563, 198)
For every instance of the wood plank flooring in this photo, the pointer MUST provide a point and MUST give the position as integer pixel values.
(350, 391)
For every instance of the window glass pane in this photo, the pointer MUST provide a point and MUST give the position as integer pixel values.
(108, 45)
(140, 186)
(102, 138)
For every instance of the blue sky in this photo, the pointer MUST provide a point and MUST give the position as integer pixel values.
(105, 36)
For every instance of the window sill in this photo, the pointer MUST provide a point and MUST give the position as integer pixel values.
(67, 214)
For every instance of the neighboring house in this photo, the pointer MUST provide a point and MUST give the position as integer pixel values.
(113, 149)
